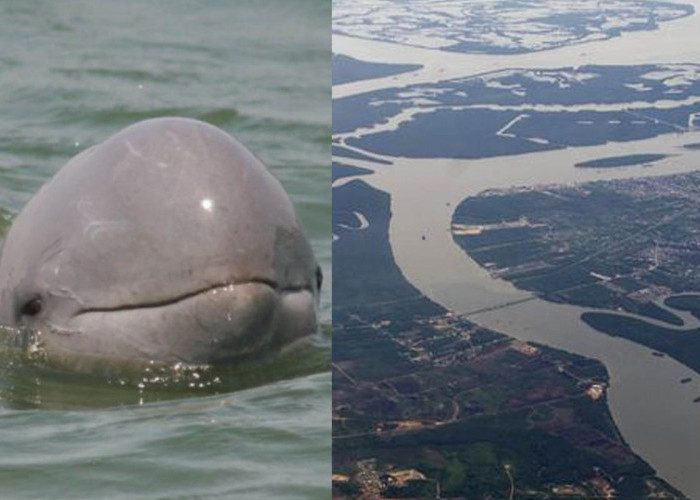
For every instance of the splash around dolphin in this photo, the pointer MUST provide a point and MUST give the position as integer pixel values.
(169, 242)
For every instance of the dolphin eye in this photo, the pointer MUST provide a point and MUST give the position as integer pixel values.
(32, 307)
(319, 278)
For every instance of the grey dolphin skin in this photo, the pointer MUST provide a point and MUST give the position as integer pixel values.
(168, 242)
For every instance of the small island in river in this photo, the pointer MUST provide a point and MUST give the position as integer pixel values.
(621, 161)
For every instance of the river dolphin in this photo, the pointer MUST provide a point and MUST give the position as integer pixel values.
(169, 242)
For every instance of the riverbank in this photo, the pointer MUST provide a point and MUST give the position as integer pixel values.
(655, 413)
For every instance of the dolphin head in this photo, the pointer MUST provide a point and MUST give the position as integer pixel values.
(168, 242)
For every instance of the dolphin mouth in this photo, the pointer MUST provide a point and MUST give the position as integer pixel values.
(219, 323)
(228, 286)
(222, 323)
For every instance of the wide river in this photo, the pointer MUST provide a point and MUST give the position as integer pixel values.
(654, 412)
(74, 72)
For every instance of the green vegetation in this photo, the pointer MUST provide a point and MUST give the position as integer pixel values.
(541, 413)
(490, 399)
(683, 346)
(6, 219)
(621, 161)
(686, 302)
